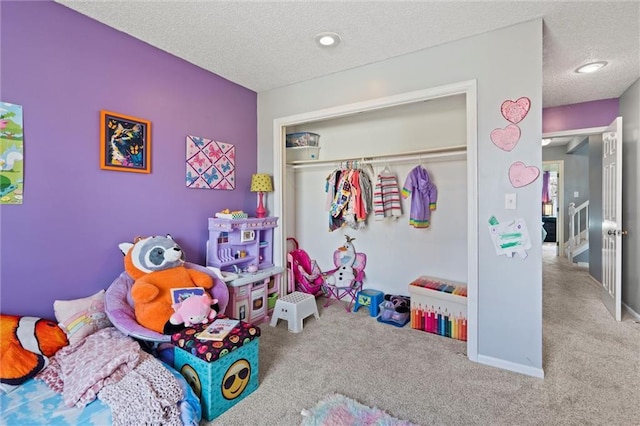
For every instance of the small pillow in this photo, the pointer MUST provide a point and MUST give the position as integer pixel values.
(25, 345)
(81, 317)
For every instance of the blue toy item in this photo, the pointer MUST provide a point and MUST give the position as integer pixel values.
(371, 299)
(395, 310)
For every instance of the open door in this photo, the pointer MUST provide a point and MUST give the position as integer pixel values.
(612, 218)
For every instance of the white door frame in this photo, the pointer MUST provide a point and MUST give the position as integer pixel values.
(468, 88)
(586, 131)
(561, 213)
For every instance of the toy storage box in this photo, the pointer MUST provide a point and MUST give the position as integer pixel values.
(302, 146)
(220, 373)
(439, 306)
(303, 153)
(302, 139)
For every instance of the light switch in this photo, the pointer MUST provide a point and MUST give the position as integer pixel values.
(576, 194)
(510, 201)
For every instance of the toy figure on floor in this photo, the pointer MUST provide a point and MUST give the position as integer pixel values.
(156, 265)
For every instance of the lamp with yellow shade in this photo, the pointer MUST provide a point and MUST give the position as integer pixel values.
(261, 183)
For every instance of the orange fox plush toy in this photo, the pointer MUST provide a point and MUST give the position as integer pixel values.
(156, 265)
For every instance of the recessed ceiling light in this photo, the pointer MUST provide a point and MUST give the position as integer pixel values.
(546, 142)
(592, 67)
(327, 39)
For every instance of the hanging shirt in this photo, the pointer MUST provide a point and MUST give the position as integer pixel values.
(424, 195)
(366, 191)
(330, 188)
(386, 196)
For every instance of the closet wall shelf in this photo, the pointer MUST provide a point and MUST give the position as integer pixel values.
(457, 152)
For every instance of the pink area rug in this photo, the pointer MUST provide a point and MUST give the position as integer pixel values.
(338, 410)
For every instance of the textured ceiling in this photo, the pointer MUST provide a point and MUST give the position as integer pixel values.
(264, 45)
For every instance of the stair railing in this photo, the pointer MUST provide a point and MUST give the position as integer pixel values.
(578, 229)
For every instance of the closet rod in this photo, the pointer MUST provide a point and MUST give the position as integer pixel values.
(441, 153)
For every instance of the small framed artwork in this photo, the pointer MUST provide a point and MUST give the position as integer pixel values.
(125, 143)
(247, 235)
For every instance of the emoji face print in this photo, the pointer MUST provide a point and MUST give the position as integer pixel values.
(192, 378)
(236, 379)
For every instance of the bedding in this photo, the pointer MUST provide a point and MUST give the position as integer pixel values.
(130, 386)
(34, 403)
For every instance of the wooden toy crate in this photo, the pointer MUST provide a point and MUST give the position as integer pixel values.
(439, 306)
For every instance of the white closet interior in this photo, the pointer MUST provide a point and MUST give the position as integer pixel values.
(392, 129)
(432, 133)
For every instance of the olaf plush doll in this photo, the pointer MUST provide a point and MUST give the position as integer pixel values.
(345, 258)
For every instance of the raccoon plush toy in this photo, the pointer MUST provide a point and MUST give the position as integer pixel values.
(156, 265)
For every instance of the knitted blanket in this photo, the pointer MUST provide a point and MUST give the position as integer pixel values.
(80, 371)
(111, 366)
(148, 394)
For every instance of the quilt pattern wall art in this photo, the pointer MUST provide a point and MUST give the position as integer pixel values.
(210, 164)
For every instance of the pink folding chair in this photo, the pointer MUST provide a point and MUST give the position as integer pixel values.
(345, 281)
(304, 274)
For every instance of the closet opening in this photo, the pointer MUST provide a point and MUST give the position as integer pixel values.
(433, 128)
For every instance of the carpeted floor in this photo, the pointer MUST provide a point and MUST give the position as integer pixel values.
(591, 364)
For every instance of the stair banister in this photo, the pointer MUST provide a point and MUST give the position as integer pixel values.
(578, 233)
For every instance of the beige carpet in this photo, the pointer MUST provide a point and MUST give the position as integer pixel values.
(591, 363)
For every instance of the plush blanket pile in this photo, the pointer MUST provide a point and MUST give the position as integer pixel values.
(136, 386)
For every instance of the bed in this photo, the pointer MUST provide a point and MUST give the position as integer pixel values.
(97, 325)
(34, 403)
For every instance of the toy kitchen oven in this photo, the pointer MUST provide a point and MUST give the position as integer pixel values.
(252, 296)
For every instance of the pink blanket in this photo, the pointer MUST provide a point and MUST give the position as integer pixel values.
(80, 371)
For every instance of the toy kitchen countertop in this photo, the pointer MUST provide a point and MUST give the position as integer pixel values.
(244, 278)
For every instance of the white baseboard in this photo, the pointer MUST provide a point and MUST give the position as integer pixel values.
(631, 311)
(511, 366)
(595, 282)
(624, 305)
(583, 264)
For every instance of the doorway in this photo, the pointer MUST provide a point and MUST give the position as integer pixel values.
(551, 210)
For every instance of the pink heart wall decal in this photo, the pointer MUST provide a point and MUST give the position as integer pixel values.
(516, 111)
(507, 138)
(521, 175)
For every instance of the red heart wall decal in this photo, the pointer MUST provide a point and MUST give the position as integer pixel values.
(521, 175)
(507, 138)
(516, 111)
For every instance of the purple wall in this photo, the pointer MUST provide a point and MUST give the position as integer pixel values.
(579, 116)
(63, 68)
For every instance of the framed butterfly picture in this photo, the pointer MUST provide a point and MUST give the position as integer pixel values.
(211, 164)
(125, 143)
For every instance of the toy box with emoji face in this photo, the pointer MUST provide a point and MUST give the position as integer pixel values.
(221, 372)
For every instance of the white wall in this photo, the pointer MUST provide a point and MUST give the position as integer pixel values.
(630, 112)
(507, 64)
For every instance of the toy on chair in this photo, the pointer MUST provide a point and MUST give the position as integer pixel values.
(120, 301)
(194, 310)
(157, 265)
(346, 280)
